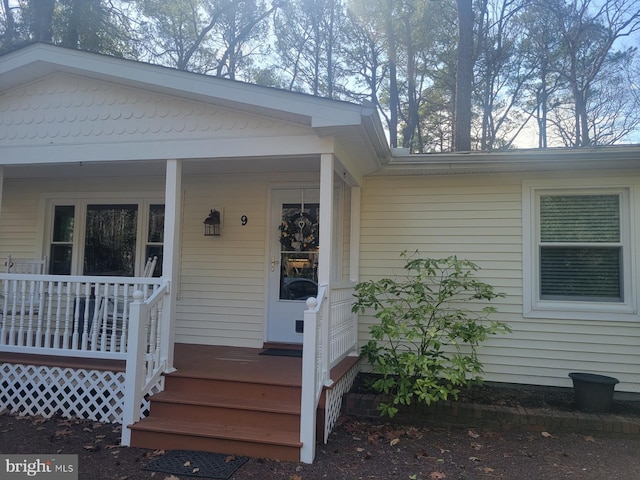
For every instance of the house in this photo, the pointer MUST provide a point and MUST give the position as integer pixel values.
(264, 208)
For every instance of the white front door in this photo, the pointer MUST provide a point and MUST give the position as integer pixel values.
(293, 272)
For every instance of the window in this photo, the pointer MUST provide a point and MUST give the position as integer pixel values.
(105, 238)
(155, 236)
(580, 248)
(580, 262)
(62, 240)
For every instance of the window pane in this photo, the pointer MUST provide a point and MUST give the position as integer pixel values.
(110, 240)
(155, 251)
(60, 260)
(156, 224)
(63, 223)
(580, 218)
(575, 273)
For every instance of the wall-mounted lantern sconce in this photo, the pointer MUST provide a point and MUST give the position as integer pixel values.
(212, 224)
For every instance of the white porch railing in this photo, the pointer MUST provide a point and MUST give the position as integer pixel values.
(68, 315)
(91, 317)
(145, 360)
(330, 334)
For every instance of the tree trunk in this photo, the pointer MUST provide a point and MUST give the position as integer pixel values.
(464, 77)
(42, 20)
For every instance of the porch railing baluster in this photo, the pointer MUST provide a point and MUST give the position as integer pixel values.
(56, 330)
(40, 314)
(14, 302)
(67, 333)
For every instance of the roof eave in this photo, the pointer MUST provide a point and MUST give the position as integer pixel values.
(604, 157)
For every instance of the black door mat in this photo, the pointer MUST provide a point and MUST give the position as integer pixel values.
(282, 352)
(196, 464)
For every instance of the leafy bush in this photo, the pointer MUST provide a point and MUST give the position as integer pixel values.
(424, 347)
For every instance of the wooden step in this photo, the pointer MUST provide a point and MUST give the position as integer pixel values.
(241, 411)
(283, 393)
(170, 434)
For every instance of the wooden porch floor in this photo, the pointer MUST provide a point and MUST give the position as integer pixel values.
(230, 363)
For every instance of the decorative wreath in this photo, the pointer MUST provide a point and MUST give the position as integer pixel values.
(299, 232)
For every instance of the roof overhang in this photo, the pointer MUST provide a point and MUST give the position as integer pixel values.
(552, 159)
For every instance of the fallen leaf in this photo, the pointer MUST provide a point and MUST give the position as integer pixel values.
(546, 434)
(171, 477)
(91, 448)
(359, 449)
(475, 459)
(63, 433)
(195, 470)
(186, 464)
(476, 446)
(488, 470)
(589, 438)
(473, 434)
(229, 458)
(156, 453)
(395, 441)
(437, 476)
(295, 477)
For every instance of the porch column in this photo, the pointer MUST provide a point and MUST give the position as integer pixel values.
(327, 165)
(354, 239)
(326, 218)
(171, 255)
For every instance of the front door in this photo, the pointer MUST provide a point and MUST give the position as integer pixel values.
(293, 274)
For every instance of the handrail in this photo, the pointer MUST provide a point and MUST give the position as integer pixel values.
(313, 373)
(144, 358)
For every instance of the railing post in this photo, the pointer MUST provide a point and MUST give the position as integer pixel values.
(136, 350)
(309, 383)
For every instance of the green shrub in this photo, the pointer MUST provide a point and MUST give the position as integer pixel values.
(424, 346)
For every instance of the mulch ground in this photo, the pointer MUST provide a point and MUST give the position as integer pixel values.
(356, 450)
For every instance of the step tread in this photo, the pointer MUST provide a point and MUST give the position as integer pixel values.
(228, 401)
(222, 376)
(219, 431)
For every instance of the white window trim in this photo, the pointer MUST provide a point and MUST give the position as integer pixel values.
(80, 201)
(533, 306)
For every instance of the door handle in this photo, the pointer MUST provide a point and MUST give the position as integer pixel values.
(273, 263)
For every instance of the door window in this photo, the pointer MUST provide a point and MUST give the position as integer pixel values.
(299, 239)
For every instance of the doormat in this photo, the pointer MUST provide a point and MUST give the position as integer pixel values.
(282, 352)
(196, 464)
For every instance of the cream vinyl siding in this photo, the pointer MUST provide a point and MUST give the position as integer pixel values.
(223, 279)
(479, 217)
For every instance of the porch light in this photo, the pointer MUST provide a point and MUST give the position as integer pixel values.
(212, 224)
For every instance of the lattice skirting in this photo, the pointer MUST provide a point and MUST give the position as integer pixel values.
(47, 391)
(333, 403)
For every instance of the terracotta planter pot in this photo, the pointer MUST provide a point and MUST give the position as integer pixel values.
(593, 393)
